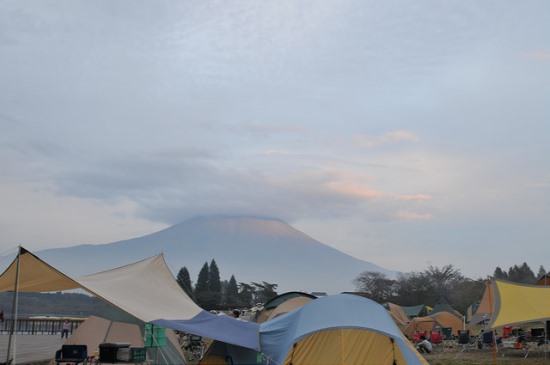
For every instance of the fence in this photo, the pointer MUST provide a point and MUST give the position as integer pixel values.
(42, 326)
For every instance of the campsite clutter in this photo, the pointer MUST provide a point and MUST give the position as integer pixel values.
(150, 319)
(510, 320)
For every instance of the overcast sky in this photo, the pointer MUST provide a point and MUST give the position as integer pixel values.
(405, 133)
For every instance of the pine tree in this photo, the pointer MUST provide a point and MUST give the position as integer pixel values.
(184, 280)
(214, 283)
(202, 280)
(542, 272)
(514, 274)
(499, 274)
(527, 275)
(232, 293)
(521, 274)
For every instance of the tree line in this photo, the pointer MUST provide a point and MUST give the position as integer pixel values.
(51, 304)
(429, 286)
(210, 292)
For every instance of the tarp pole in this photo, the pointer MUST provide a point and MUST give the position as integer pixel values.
(492, 311)
(14, 306)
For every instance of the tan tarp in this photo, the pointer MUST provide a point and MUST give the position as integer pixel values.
(519, 303)
(145, 289)
(35, 276)
(485, 308)
(345, 346)
(287, 306)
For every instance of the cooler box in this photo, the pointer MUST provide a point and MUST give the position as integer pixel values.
(108, 351)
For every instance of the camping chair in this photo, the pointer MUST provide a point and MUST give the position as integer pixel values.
(195, 347)
(418, 334)
(506, 331)
(436, 338)
(486, 339)
(463, 337)
(447, 333)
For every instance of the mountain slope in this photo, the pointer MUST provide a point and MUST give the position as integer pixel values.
(251, 248)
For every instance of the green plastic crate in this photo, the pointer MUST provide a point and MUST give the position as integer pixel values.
(138, 354)
(155, 336)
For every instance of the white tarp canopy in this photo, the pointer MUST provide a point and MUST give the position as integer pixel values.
(145, 289)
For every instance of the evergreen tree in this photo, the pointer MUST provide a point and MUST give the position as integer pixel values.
(214, 283)
(224, 291)
(202, 280)
(184, 280)
(528, 276)
(232, 293)
(513, 273)
(541, 273)
(521, 274)
(499, 274)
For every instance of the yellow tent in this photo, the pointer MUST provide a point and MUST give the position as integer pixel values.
(519, 303)
(434, 322)
(288, 306)
(342, 329)
(397, 314)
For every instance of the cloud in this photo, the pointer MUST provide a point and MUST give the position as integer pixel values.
(539, 55)
(412, 216)
(353, 189)
(416, 197)
(386, 138)
(39, 219)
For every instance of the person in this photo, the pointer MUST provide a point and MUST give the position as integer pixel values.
(236, 313)
(424, 346)
(1, 316)
(65, 329)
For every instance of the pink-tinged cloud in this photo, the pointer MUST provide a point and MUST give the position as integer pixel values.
(540, 55)
(412, 216)
(355, 190)
(415, 197)
(386, 138)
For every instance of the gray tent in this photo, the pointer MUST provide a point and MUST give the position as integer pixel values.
(112, 325)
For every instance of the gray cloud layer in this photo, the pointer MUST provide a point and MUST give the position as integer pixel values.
(367, 124)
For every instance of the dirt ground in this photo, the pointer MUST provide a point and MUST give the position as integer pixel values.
(536, 355)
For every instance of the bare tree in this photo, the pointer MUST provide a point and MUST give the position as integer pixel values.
(376, 285)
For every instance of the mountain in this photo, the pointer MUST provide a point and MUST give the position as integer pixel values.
(251, 248)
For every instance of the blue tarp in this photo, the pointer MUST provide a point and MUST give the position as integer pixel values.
(221, 328)
(278, 335)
